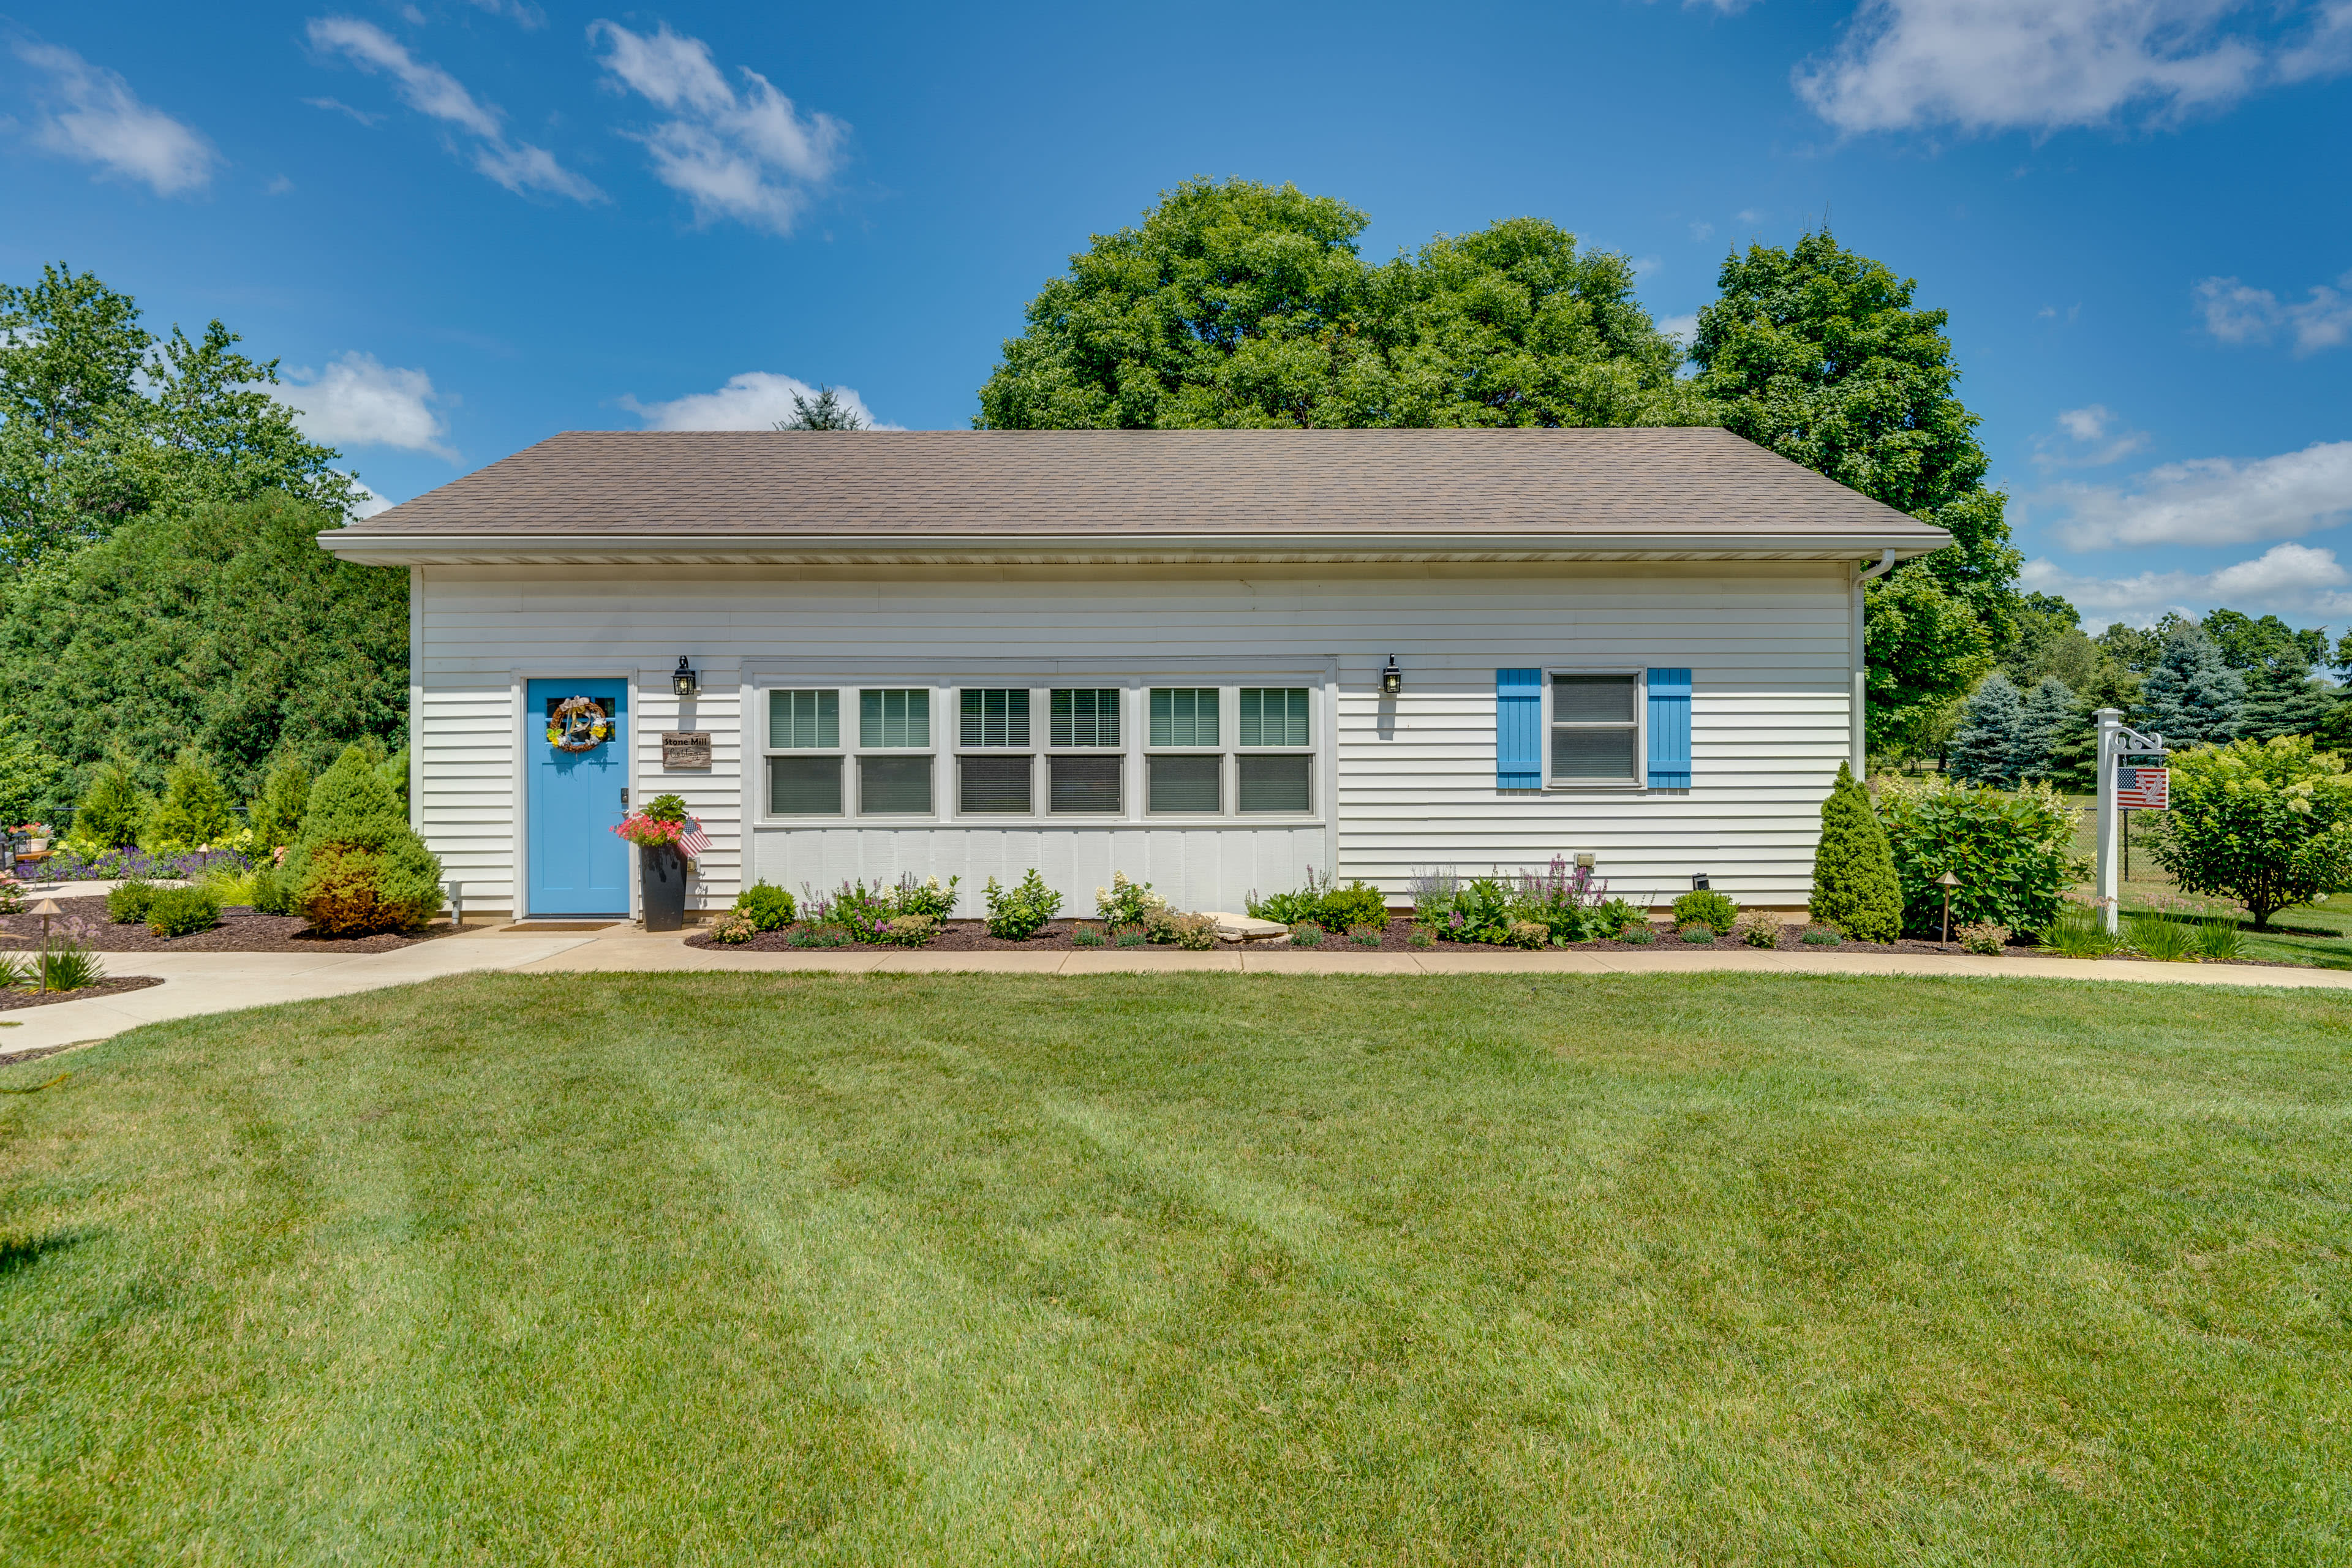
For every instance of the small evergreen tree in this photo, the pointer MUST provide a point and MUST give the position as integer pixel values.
(2046, 711)
(357, 867)
(276, 814)
(1854, 886)
(194, 812)
(2192, 698)
(828, 410)
(111, 809)
(2284, 704)
(1991, 745)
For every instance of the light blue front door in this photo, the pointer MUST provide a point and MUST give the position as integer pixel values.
(579, 866)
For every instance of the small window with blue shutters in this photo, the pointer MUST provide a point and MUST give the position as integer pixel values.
(1596, 729)
(1592, 729)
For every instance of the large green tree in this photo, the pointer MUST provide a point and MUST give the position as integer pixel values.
(1238, 305)
(1820, 353)
(101, 421)
(225, 628)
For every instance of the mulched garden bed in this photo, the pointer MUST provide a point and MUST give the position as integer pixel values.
(240, 930)
(11, 999)
(972, 936)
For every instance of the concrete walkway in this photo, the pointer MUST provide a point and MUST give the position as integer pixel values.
(221, 982)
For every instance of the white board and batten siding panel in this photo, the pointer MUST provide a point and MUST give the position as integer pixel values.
(1768, 645)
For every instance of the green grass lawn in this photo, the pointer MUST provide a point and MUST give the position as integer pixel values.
(1186, 1270)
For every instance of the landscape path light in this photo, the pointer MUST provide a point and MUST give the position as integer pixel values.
(45, 908)
(1947, 882)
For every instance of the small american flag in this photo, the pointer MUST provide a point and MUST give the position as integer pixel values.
(2144, 789)
(693, 841)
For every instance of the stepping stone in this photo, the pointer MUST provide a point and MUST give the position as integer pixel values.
(1244, 929)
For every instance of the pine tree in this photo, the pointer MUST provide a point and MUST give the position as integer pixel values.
(357, 866)
(828, 410)
(2284, 704)
(1854, 886)
(112, 808)
(2192, 698)
(2046, 712)
(193, 813)
(276, 814)
(1992, 741)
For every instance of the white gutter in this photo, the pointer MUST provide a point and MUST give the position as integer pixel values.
(1858, 715)
(387, 549)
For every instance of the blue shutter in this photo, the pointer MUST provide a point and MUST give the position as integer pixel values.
(1518, 728)
(1670, 734)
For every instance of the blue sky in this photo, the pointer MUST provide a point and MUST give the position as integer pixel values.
(464, 225)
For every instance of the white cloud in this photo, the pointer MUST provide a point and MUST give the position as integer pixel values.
(2214, 500)
(1991, 65)
(91, 115)
(751, 156)
(1701, 230)
(339, 107)
(2287, 579)
(2238, 315)
(756, 400)
(1682, 328)
(430, 90)
(357, 402)
(2089, 438)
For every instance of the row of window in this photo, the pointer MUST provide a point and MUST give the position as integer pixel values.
(1074, 765)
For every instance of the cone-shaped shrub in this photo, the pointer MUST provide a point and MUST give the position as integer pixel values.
(1854, 886)
(357, 866)
(193, 810)
(276, 814)
(111, 809)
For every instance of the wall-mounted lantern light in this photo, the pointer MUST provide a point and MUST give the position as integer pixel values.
(682, 680)
(1391, 679)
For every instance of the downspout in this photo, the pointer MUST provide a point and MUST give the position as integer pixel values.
(1855, 720)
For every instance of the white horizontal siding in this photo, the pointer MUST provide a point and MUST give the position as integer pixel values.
(1767, 644)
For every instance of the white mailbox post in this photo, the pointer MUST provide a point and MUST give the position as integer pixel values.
(2117, 742)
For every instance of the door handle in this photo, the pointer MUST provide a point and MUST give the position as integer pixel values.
(624, 800)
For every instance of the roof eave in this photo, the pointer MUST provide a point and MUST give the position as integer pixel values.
(387, 549)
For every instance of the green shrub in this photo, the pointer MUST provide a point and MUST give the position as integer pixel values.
(766, 906)
(176, 911)
(1854, 880)
(1527, 934)
(1481, 912)
(271, 895)
(127, 905)
(1020, 913)
(1357, 904)
(1285, 909)
(1306, 934)
(1703, 905)
(1368, 936)
(231, 887)
(1822, 936)
(112, 808)
(1131, 937)
(1421, 936)
(1641, 934)
(1086, 936)
(358, 868)
(1759, 928)
(68, 965)
(194, 812)
(275, 814)
(2013, 853)
(1697, 932)
(734, 929)
(2268, 823)
(910, 930)
(1613, 916)
(929, 898)
(1193, 934)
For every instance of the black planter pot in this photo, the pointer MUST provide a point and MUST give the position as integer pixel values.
(661, 887)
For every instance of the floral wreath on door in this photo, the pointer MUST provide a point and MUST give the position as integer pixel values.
(578, 724)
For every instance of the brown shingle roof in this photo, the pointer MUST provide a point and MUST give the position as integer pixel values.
(1112, 485)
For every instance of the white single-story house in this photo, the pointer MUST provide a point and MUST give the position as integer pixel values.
(1215, 660)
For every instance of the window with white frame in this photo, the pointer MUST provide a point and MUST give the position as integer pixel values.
(1085, 764)
(1596, 731)
(994, 752)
